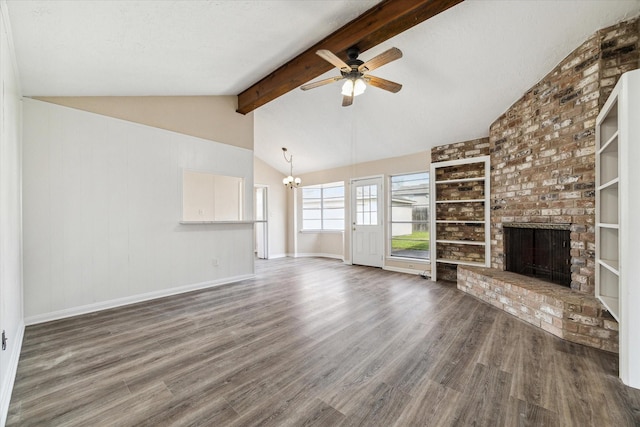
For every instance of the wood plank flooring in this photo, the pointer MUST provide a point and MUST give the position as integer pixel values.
(314, 342)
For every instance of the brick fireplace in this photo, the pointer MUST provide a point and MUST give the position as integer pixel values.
(543, 173)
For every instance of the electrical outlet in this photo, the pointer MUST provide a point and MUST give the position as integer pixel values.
(214, 262)
(410, 265)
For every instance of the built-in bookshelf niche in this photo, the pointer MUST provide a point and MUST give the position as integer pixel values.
(460, 219)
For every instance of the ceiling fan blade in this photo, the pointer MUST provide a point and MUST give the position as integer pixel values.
(347, 100)
(321, 83)
(383, 83)
(329, 56)
(380, 60)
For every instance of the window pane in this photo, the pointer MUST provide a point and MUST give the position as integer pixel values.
(311, 193)
(334, 203)
(312, 224)
(366, 205)
(410, 215)
(333, 224)
(331, 192)
(311, 214)
(333, 214)
(410, 181)
(323, 207)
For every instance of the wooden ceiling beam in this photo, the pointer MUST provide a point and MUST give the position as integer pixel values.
(383, 21)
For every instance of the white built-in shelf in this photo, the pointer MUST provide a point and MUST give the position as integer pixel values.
(462, 242)
(608, 225)
(611, 265)
(611, 144)
(461, 201)
(452, 181)
(481, 246)
(459, 262)
(610, 184)
(617, 228)
(611, 303)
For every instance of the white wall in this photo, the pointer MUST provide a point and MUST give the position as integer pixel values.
(102, 205)
(11, 316)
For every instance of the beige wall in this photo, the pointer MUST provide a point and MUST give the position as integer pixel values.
(337, 245)
(417, 162)
(208, 117)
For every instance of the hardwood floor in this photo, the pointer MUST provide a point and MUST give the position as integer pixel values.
(313, 342)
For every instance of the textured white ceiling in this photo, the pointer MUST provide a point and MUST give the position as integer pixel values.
(163, 47)
(460, 70)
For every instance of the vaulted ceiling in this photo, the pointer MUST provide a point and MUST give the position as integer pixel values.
(460, 70)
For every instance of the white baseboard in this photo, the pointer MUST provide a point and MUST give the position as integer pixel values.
(403, 270)
(318, 255)
(90, 308)
(9, 379)
(276, 256)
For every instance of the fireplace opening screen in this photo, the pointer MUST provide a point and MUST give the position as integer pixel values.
(539, 252)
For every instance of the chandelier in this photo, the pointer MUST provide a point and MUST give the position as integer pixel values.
(290, 181)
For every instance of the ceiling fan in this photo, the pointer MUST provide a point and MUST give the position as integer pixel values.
(354, 72)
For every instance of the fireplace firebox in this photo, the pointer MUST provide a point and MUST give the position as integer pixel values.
(539, 250)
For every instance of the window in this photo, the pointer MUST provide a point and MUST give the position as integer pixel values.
(367, 205)
(410, 215)
(323, 207)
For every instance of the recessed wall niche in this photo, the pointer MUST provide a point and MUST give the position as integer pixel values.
(209, 197)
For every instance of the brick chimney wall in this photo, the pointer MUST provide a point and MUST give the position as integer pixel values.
(542, 147)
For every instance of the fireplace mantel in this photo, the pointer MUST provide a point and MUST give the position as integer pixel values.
(537, 225)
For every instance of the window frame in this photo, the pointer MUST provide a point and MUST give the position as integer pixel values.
(390, 194)
(322, 208)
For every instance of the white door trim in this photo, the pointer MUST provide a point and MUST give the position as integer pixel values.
(262, 226)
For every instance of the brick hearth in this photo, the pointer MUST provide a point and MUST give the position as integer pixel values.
(565, 313)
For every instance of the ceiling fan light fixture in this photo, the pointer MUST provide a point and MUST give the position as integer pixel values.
(347, 87)
(354, 72)
(359, 87)
(353, 87)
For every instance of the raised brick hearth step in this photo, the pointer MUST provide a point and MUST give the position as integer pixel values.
(565, 313)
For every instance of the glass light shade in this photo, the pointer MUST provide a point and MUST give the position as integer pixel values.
(298, 181)
(347, 88)
(359, 87)
(284, 181)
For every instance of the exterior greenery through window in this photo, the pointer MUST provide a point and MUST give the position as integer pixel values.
(410, 215)
(323, 207)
